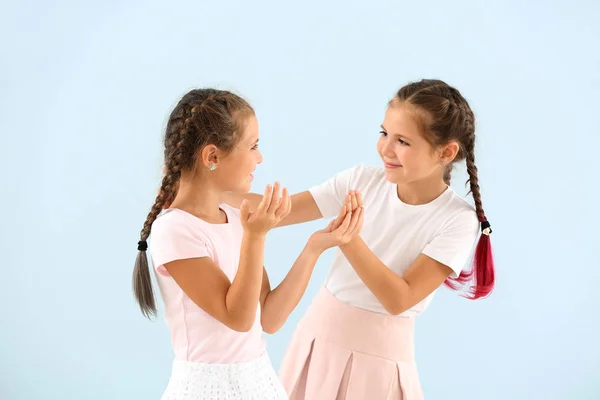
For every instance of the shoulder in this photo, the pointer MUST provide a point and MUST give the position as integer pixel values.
(459, 213)
(170, 219)
(177, 223)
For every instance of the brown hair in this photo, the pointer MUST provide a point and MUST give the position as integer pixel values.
(445, 116)
(202, 117)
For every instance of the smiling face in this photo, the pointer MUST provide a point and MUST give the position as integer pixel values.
(406, 155)
(234, 170)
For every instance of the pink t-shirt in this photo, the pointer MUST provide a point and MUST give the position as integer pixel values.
(195, 335)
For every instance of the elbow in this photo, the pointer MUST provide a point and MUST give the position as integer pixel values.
(269, 326)
(241, 324)
(271, 330)
(242, 328)
(395, 308)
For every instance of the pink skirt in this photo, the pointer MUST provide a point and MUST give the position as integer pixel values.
(340, 352)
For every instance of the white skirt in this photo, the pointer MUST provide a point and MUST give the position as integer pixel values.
(252, 380)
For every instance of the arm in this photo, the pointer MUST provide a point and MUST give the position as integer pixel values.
(396, 294)
(304, 208)
(279, 303)
(233, 304)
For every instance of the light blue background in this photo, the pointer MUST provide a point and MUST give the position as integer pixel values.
(86, 88)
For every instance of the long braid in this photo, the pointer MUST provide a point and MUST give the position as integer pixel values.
(483, 261)
(473, 180)
(177, 132)
(142, 282)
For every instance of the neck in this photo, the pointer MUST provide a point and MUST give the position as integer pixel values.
(422, 191)
(199, 198)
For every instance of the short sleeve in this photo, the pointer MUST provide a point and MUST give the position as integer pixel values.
(453, 245)
(331, 194)
(175, 239)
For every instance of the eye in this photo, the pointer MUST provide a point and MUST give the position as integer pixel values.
(255, 147)
(383, 133)
(402, 142)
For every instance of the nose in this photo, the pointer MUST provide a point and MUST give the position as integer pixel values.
(387, 149)
(260, 157)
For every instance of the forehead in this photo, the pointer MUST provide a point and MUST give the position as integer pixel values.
(400, 119)
(250, 131)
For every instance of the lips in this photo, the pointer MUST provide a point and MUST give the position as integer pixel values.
(392, 166)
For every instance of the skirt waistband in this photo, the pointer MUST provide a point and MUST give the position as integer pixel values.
(359, 330)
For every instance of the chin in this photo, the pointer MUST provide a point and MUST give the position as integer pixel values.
(245, 188)
(393, 176)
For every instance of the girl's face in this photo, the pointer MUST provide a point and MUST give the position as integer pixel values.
(407, 156)
(234, 171)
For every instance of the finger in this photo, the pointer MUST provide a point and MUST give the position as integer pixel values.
(275, 198)
(340, 218)
(342, 214)
(244, 210)
(360, 198)
(359, 224)
(288, 206)
(344, 226)
(330, 227)
(354, 200)
(353, 221)
(266, 200)
(284, 205)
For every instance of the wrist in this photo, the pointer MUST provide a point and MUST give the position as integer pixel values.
(347, 245)
(255, 235)
(313, 248)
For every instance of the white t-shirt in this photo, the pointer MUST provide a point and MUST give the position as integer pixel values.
(444, 229)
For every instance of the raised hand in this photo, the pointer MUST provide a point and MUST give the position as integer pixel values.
(271, 210)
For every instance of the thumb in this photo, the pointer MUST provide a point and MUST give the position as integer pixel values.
(244, 211)
(341, 215)
(329, 227)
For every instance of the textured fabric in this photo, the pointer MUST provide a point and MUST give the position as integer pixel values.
(252, 380)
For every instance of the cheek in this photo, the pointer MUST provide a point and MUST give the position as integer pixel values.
(379, 145)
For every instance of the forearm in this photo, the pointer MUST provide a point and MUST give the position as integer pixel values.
(282, 300)
(243, 294)
(392, 291)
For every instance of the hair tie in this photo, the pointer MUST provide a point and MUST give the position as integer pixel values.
(486, 228)
(142, 245)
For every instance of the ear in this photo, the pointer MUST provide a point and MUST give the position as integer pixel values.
(449, 152)
(209, 155)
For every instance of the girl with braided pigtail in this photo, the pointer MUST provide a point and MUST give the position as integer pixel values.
(356, 339)
(208, 256)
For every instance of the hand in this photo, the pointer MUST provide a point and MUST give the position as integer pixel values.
(352, 203)
(271, 210)
(353, 200)
(340, 231)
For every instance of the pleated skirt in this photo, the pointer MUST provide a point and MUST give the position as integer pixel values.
(340, 352)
